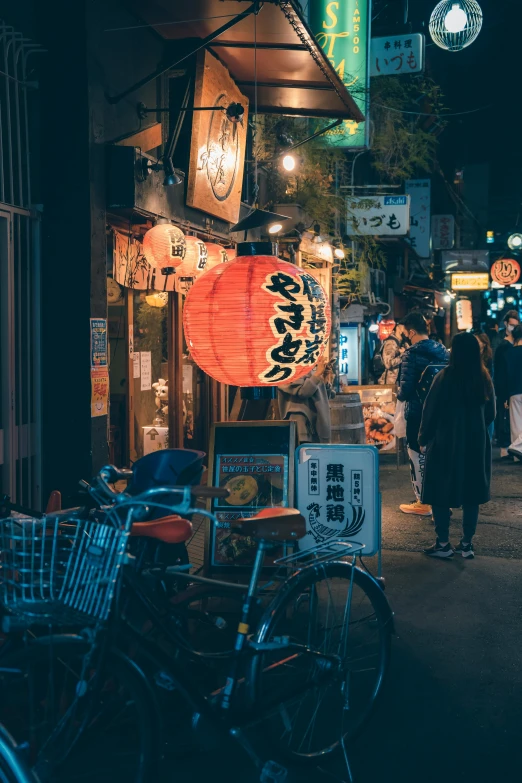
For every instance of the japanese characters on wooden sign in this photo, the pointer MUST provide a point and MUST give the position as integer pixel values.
(442, 232)
(377, 215)
(338, 494)
(419, 191)
(217, 151)
(397, 54)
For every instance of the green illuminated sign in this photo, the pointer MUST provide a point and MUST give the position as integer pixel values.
(342, 28)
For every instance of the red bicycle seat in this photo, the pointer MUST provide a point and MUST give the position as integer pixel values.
(171, 530)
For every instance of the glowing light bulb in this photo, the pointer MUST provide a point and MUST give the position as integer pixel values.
(515, 241)
(289, 162)
(373, 328)
(447, 298)
(339, 252)
(455, 20)
(274, 228)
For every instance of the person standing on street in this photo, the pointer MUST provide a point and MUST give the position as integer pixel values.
(306, 401)
(391, 354)
(486, 351)
(423, 353)
(500, 375)
(514, 377)
(454, 435)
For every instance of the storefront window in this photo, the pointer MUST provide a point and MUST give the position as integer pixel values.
(150, 372)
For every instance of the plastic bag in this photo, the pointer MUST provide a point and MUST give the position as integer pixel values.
(399, 421)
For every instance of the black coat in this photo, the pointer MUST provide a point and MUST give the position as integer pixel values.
(414, 362)
(514, 371)
(458, 447)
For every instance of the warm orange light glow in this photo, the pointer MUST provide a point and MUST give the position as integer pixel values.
(216, 254)
(164, 247)
(196, 258)
(256, 321)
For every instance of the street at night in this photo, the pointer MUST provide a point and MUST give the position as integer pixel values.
(261, 391)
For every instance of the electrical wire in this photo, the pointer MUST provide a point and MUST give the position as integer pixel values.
(429, 114)
(166, 24)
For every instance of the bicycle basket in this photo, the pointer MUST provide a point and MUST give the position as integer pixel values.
(59, 570)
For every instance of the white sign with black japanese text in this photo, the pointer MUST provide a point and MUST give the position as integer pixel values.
(380, 216)
(397, 54)
(338, 494)
(419, 191)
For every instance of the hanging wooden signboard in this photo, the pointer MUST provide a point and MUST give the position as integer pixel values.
(217, 151)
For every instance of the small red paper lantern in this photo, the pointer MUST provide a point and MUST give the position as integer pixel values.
(164, 247)
(195, 261)
(216, 254)
(256, 321)
(505, 271)
(386, 327)
(231, 253)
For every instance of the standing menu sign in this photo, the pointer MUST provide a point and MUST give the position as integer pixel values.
(338, 494)
(254, 460)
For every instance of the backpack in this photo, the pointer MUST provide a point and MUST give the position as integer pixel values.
(426, 379)
(378, 367)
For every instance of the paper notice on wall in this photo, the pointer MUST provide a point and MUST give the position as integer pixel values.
(99, 391)
(136, 368)
(146, 370)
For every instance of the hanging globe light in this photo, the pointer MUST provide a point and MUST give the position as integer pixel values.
(454, 24)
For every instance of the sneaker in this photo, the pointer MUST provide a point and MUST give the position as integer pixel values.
(437, 550)
(466, 550)
(421, 509)
(515, 453)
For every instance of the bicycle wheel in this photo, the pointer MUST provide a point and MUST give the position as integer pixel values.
(334, 610)
(13, 768)
(79, 720)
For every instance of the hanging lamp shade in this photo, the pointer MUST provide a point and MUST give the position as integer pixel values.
(195, 261)
(157, 299)
(216, 254)
(164, 247)
(231, 253)
(256, 321)
(454, 24)
(386, 327)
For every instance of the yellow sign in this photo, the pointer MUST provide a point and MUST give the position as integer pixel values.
(99, 391)
(470, 281)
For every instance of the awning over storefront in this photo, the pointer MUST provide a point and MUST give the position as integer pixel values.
(275, 49)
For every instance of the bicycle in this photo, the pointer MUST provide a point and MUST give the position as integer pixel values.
(282, 668)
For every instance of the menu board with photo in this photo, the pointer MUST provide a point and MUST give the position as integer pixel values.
(254, 461)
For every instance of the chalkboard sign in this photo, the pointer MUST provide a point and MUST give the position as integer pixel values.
(254, 460)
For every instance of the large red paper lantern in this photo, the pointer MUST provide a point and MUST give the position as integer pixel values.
(164, 247)
(505, 271)
(196, 258)
(256, 321)
(216, 254)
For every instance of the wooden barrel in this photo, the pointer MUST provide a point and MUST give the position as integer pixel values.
(347, 419)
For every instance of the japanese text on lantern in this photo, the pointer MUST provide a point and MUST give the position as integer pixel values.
(299, 324)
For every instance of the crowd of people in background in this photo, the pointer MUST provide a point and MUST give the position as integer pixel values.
(455, 403)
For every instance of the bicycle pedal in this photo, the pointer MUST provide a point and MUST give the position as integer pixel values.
(165, 682)
(273, 772)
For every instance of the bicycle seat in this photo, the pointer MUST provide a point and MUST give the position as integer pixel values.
(273, 524)
(171, 530)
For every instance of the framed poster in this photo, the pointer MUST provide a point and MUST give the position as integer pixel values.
(254, 460)
(217, 149)
(338, 495)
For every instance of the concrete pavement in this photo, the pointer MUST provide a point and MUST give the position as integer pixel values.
(452, 706)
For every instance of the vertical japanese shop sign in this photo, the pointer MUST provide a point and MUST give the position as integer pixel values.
(419, 191)
(338, 495)
(99, 367)
(342, 29)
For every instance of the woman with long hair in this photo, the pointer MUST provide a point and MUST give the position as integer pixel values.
(486, 351)
(454, 434)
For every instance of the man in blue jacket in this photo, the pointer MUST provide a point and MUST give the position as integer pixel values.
(423, 352)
